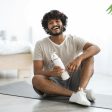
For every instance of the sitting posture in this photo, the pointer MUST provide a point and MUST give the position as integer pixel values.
(76, 55)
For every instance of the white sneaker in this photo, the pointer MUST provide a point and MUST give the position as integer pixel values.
(80, 98)
(90, 95)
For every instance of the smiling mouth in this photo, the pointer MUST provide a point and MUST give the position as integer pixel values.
(55, 28)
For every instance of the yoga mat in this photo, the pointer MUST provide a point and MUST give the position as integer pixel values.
(24, 89)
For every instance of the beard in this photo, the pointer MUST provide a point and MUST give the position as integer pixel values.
(57, 33)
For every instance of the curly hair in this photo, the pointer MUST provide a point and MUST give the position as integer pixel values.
(53, 14)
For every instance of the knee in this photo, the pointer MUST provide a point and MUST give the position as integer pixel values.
(36, 80)
(89, 60)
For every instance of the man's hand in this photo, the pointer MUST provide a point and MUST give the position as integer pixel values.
(74, 65)
(57, 71)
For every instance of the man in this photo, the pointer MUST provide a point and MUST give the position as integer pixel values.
(76, 54)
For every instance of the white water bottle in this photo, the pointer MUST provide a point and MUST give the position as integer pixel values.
(57, 62)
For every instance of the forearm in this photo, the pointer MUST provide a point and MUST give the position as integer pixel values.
(89, 52)
(43, 72)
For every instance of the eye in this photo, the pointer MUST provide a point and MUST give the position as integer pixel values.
(50, 22)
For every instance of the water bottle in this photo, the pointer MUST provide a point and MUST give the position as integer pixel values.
(58, 62)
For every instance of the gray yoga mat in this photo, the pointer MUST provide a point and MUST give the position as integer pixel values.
(24, 89)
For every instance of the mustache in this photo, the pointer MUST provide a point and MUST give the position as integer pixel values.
(55, 26)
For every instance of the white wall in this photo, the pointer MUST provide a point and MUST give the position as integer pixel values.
(12, 18)
(86, 18)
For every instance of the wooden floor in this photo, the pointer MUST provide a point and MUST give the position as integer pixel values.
(100, 83)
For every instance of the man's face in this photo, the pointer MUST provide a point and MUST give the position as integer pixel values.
(55, 27)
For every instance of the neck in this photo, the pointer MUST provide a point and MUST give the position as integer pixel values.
(57, 39)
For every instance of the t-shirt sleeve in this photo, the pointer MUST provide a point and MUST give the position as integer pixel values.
(37, 52)
(79, 44)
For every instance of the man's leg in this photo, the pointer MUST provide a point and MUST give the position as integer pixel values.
(46, 85)
(86, 72)
(79, 81)
(49, 87)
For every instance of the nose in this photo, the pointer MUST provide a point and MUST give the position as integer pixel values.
(54, 23)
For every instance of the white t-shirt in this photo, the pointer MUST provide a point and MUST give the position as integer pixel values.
(69, 49)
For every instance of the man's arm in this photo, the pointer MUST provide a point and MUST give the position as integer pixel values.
(89, 50)
(38, 69)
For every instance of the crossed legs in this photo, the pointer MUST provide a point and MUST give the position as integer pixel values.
(46, 85)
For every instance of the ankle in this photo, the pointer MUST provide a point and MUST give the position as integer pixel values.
(80, 89)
